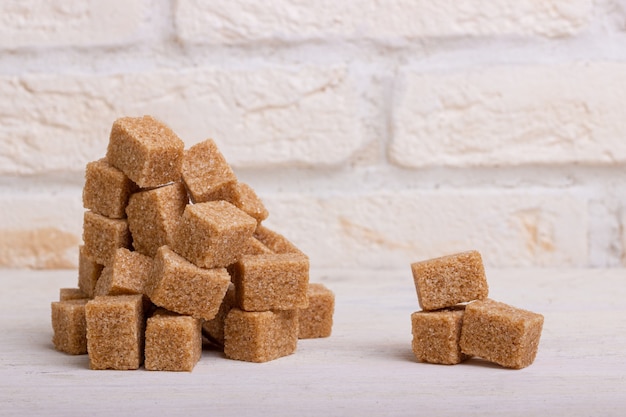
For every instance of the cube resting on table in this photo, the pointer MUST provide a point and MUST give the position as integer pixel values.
(69, 327)
(316, 320)
(173, 342)
(436, 336)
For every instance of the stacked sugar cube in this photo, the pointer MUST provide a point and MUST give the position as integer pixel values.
(448, 332)
(174, 250)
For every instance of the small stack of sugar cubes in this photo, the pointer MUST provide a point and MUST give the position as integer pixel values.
(174, 251)
(447, 331)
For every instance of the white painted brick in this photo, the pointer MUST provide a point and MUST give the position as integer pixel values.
(231, 22)
(40, 23)
(391, 230)
(511, 116)
(265, 117)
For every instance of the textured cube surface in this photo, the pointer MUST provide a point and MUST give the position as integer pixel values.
(182, 287)
(127, 273)
(436, 335)
(271, 281)
(500, 333)
(244, 198)
(173, 342)
(146, 150)
(88, 273)
(103, 236)
(260, 336)
(207, 174)
(71, 294)
(316, 320)
(115, 332)
(69, 326)
(276, 242)
(106, 189)
(214, 329)
(213, 234)
(450, 280)
(153, 216)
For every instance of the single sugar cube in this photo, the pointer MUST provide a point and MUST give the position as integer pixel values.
(213, 329)
(115, 332)
(182, 287)
(271, 282)
(213, 234)
(255, 247)
(244, 198)
(66, 294)
(206, 173)
(500, 333)
(146, 150)
(88, 272)
(103, 236)
(69, 327)
(276, 242)
(316, 320)
(436, 335)
(106, 189)
(450, 280)
(153, 216)
(260, 336)
(128, 273)
(173, 342)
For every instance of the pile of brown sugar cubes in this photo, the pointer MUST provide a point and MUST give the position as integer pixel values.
(174, 251)
(447, 331)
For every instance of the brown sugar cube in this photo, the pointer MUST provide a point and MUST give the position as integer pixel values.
(146, 150)
(106, 189)
(244, 198)
(276, 242)
(68, 325)
(88, 273)
(316, 320)
(153, 216)
(255, 247)
(180, 286)
(213, 234)
(260, 336)
(500, 333)
(115, 332)
(66, 294)
(206, 173)
(103, 236)
(450, 280)
(436, 335)
(128, 273)
(214, 329)
(271, 282)
(173, 342)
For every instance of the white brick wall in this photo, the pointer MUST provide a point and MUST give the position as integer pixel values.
(378, 133)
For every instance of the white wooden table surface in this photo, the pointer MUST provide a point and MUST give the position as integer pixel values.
(365, 368)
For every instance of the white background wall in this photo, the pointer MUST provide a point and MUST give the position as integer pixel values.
(377, 133)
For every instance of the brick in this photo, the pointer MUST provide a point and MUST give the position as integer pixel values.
(73, 22)
(300, 116)
(565, 114)
(234, 22)
(388, 229)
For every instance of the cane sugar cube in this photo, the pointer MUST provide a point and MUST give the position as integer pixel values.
(244, 198)
(128, 273)
(69, 327)
(260, 336)
(213, 329)
(115, 332)
(255, 247)
(316, 320)
(153, 216)
(88, 273)
(276, 242)
(173, 342)
(500, 333)
(146, 150)
(106, 189)
(103, 236)
(450, 280)
(271, 282)
(436, 335)
(206, 173)
(182, 287)
(213, 234)
(66, 294)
